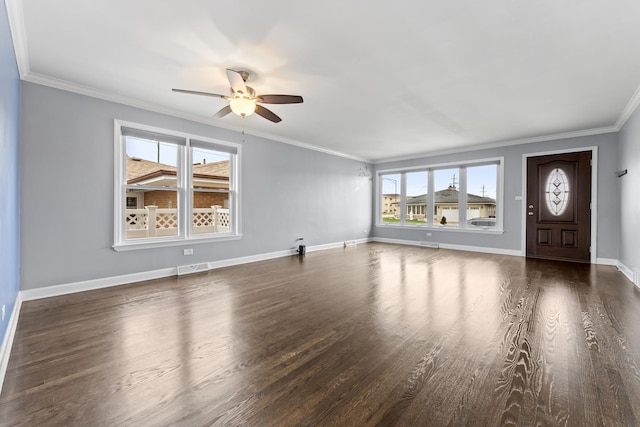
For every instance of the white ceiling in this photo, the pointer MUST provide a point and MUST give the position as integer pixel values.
(380, 79)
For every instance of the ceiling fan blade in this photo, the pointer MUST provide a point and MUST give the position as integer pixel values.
(194, 92)
(223, 112)
(280, 99)
(267, 114)
(236, 81)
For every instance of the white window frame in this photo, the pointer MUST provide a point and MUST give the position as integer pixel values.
(184, 191)
(462, 203)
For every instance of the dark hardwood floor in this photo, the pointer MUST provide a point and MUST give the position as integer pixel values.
(370, 335)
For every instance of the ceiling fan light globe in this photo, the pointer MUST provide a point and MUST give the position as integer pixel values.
(243, 106)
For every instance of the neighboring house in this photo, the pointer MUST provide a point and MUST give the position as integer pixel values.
(390, 204)
(446, 204)
(145, 172)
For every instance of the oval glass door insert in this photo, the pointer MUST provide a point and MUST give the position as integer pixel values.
(557, 192)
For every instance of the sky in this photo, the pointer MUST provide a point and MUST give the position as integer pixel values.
(477, 177)
(148, 150)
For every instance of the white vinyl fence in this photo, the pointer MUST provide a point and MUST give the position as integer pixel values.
(152, 221)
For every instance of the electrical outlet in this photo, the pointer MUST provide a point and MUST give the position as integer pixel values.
(188, 252)
(429, 234)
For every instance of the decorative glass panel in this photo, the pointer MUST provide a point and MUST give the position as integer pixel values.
(557, 193)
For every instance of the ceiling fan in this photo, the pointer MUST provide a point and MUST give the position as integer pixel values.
(243, 100)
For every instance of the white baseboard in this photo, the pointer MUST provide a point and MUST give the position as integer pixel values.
(70, 288)
(336, 245)
(251, 258)
(633, 278)
(7, 342)
(497, 251)
(88, 285)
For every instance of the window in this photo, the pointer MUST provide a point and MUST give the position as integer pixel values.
(171, 188)
(462, 196)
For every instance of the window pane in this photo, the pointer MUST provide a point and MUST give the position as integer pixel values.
(210, 180)
(151, 163)
(417, 197)
(390, 198)
(155, 213)
(446, 196)
(481, 195)
(210, 169)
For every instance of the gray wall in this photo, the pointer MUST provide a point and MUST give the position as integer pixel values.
(9, 184)
(67, 193)
(629, 158)
(608, 201)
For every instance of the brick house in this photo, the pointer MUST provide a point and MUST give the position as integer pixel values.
(206, 175)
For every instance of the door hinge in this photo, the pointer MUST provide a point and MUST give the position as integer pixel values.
(591, 162)
(589, 249)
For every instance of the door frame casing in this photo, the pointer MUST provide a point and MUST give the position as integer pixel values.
(594, 196)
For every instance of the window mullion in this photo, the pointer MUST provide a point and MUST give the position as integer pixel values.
(500, 194)
(462, 198)
(430, 198)
(186, 191)
(403, 198)
(121, 228)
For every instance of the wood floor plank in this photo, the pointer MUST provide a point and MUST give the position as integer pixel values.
(375, 334)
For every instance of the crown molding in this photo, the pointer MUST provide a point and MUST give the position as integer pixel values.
(15, 15)
(119, 99)
(628, 110)
(131, 102)
(507, 143)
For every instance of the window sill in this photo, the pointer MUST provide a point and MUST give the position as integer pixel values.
(444, 228)
(152, 244)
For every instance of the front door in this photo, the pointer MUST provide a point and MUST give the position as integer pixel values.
(559, 206)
